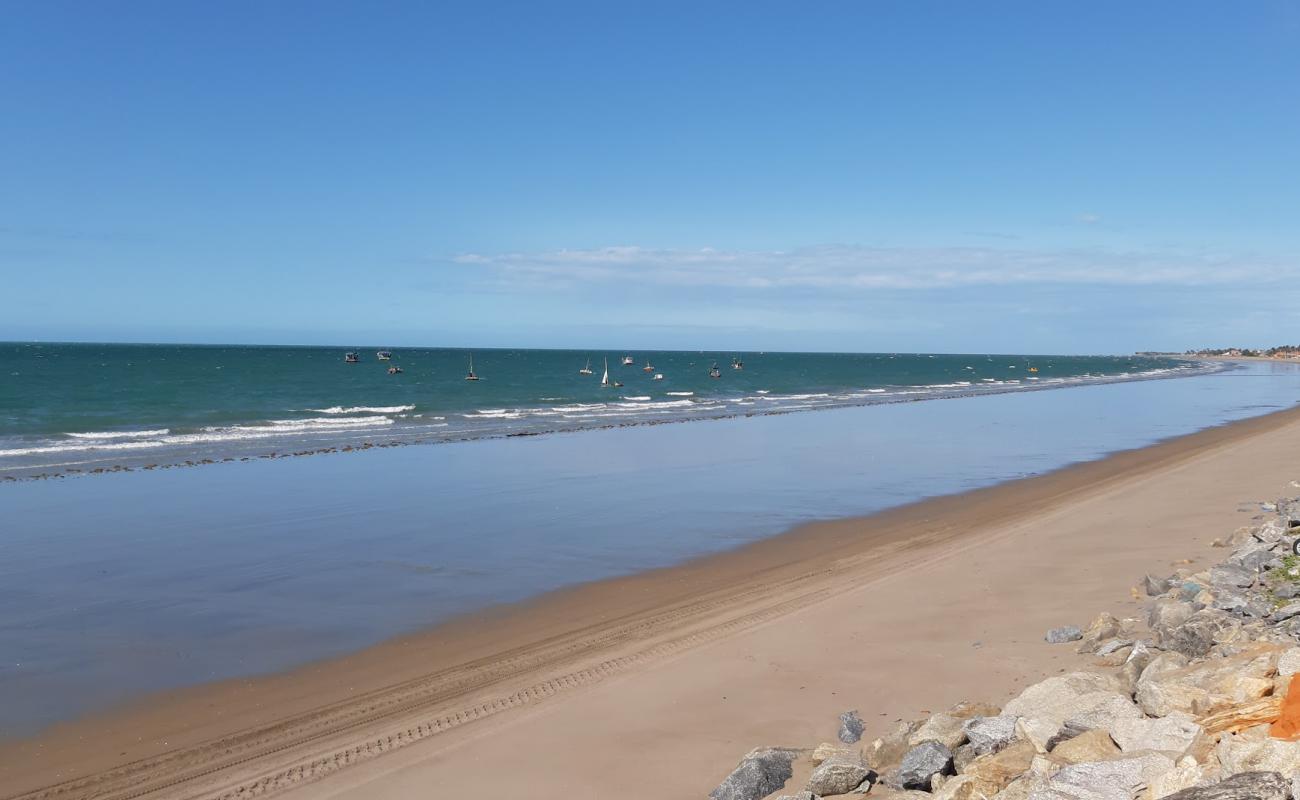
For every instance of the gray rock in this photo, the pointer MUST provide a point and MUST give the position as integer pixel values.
(1244, 786)
(760, 772)
(1063, 634)
(1167, 613)
(1197, 635)
(1285, 612)
(922, 763)
(1107, 648)
(962, 756)
(1228, 575)
(1155, 586)
(1116, 779)
(838, 776)
(1232, 601)
(851, 727)
(1288, 591)
(800, 796)
(990, 734)
(1252, 557)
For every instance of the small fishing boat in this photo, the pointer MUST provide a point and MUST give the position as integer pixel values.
(647, 367)
(394, 370)
(714, 372)
(384, 355)
(351, 358)
(587, 369)
(627, 361)
(736, 363)
(658, 376)
(471, 376)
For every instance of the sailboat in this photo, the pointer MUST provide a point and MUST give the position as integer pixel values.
(736, 363)
(587, 369)
(605, 381)
(471, 376)
(627, 361)
(714, 372)
(647, 367)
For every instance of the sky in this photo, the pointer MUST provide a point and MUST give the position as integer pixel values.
(845, 176)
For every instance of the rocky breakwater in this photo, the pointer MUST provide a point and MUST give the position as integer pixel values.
(1194, 702)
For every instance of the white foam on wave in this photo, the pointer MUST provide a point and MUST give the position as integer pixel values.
(638, 397)
(363, 409)
(118, 434)
(680, 394)
(208, 435)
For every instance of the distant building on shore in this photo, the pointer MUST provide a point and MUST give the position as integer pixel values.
(1290, 352)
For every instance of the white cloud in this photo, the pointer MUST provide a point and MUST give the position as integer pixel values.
(847, 268)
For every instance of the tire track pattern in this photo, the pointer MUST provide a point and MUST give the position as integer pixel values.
(191, 772)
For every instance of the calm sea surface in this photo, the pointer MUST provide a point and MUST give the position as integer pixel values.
(118, 584)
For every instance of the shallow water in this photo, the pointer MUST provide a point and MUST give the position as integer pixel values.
(119, 584)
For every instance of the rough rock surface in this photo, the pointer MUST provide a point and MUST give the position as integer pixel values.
(760, 772)
(1241, 754)
(1116, 779)
(839, 775)
(1063, 634)
(943, 728)
(1173, 734)
(1245, 786)
(851, 727)
(990, 734)
(922, 763)
(1095, 745)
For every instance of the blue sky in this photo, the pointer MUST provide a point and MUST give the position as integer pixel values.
(1014, 176)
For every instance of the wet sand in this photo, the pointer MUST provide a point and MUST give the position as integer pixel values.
(653, 685)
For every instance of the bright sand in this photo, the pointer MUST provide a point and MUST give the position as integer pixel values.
(654, 685)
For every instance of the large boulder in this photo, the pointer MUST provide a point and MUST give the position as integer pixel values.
(990, 734)
(889, 749)
(1206, 686)
(987, 775)
(1167, 613)
(838, 775)
(761, 772)
(1060, 697)
(1094, 745)
(1244, 754)
(1172, 734)
(1232, 576)
(943, 728)
(922, 763)
(1200, 632)
(1116, 779)
(828, 750)
(1105, 626)
(1245, 786)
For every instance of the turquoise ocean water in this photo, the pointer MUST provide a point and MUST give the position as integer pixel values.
(78, 407)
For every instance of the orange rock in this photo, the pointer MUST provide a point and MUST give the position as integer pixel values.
(1287, 725)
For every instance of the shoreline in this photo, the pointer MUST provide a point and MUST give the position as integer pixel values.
(277, 731)
(397, 437)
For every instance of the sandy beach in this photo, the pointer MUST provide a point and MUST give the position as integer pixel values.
(683, 670)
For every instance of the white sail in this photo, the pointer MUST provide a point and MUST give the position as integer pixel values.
(604, 379)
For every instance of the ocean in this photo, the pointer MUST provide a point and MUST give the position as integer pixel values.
(67, 408)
